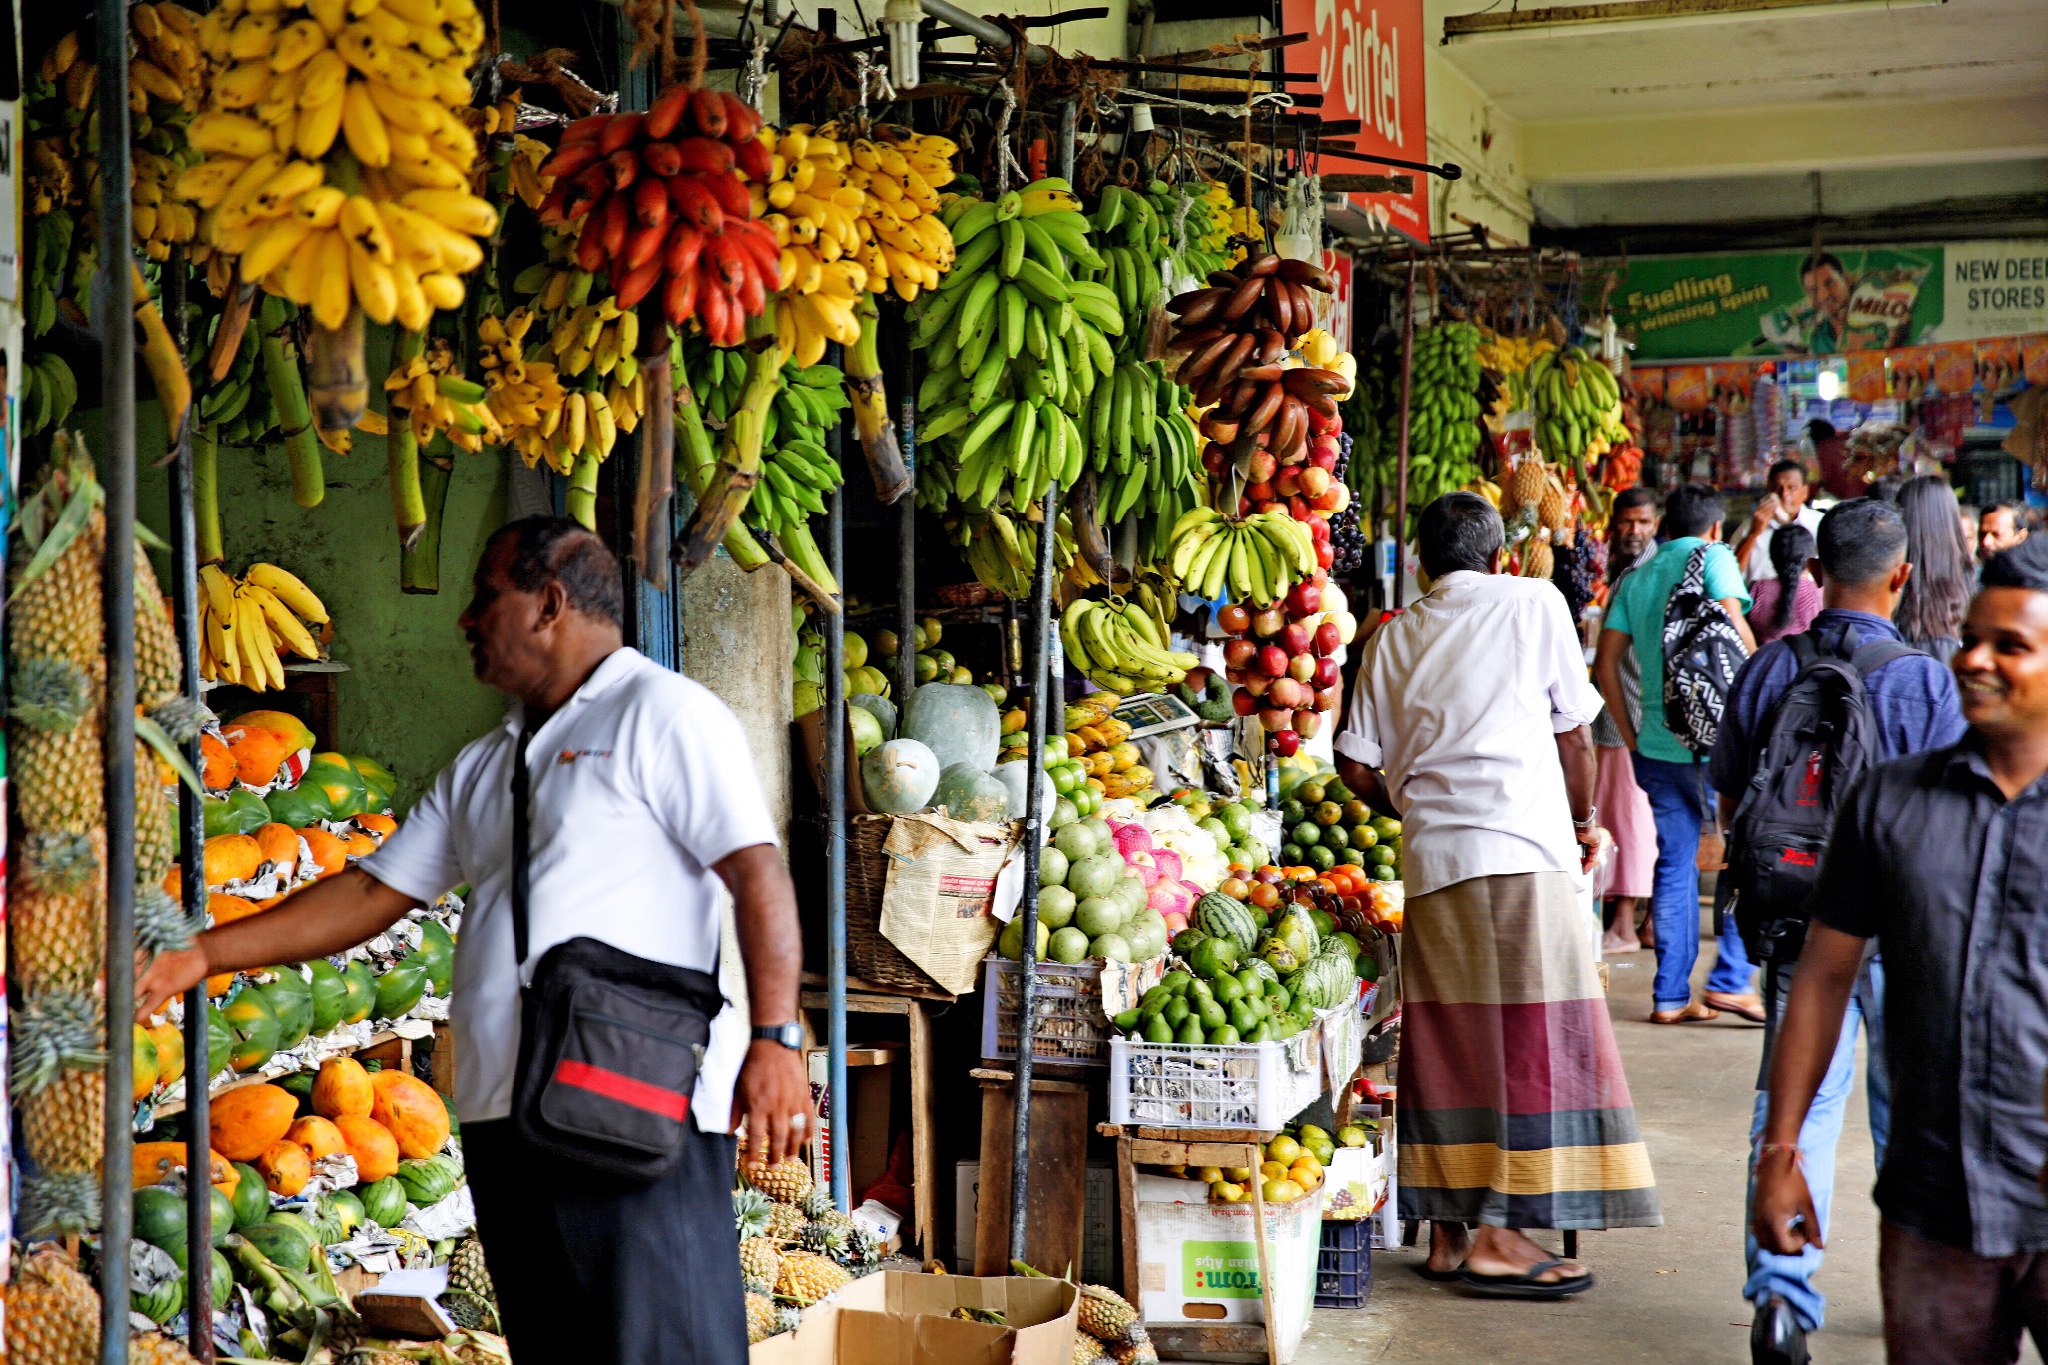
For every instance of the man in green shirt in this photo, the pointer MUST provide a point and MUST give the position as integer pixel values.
(1671, 775)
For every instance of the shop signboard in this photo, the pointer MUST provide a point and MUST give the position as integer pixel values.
(1839, 300)
(1366, 56)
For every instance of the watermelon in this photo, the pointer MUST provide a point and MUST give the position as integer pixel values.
(957, 722)
(1220, 916)
(400, 987)
(333, 774)
(899, 777)
(330, 994)
(361, 990)
(970, 793)
(220, 1041)
(252, 1197)
(240, 812)
(162, 1303)
(160, 1216)
(437, 954)
(384, 1202)
(288, 1246)
(299, 806)
(428, 1180)
(223, 1277)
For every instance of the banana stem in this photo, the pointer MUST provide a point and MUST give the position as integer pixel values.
(206, 494)
(807, 566)
(160, 354)
(419, 568)
(731, 483)
(654, 497)
(581, 500)
(695, 459)
(227, 336)
(341, 383)
(871, 406)
(402, 449)
(294, 418)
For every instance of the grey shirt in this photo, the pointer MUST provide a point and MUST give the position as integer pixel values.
(1929, 857)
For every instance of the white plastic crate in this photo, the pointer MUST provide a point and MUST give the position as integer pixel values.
(1205, 1085)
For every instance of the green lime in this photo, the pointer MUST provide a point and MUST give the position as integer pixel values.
(1335, 838)
(1292, 812)
(1290, 855)
(1352, 857)
(1307, 834)
(1380, 855)
(1310, 793)
(1383, 873)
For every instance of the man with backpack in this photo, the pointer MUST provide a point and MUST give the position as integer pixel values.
(1808, 715)
(1682, 614)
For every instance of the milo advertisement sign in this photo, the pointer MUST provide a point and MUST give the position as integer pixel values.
(1831, 301)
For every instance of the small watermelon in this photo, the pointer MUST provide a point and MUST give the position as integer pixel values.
(384, 1202)
(400, 988)
(252, 1197)
(160, 1216)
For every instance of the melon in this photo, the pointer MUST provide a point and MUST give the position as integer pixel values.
(881, 708)
(960, 724)
(1015, 776)
(1095, 876)
(865, 730)
(899, 777)
(972, 793)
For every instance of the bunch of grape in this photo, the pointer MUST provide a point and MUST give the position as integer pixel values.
(1347, 537)
(1576, 572)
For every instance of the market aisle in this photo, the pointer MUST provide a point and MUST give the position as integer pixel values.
(1669, 1294)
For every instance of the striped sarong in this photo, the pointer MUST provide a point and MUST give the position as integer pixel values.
(1514, 1111)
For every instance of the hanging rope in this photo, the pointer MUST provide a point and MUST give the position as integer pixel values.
(754, 77)
(1005, 158)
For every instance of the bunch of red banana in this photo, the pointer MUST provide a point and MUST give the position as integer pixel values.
(663, 200)
(1235, 334)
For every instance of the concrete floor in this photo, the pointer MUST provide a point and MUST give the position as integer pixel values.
(1671, 1294)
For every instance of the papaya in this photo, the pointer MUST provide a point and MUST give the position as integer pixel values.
(245, 1121)
(400, 988)
(256, 1027)
(298, 806)
(330, 994)
(145, 1064)
(217, 766)
(259, 754)
(329, 853)
(380, 784)
(437, 955)
(334, 775)
(239, 812)
(170, 1051)
(292, 1000)
(280, 844)
(283, 724)
(252, 1197)
(227, 909)
(286, 1168)
(317, 1135)
(371, 1144)
(362, 992)
(410, 1109)
(154, 1161)
(232, 858)
(342, 1089)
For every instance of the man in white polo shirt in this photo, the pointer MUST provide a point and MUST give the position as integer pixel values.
(644, 800)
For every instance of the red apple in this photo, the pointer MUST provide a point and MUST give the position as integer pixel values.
(1301, 667)
(1272, 661)
(1268, 621)
(1326, 463)
(1262, 465)
(1323, 445)
(1269, 505)
(1307, 723)
(1236, 675)
(1294, 638)
(1325, 556)
(1282, 694)
(1329, 640)
(1313, 481)
(1288, 482)
(1244, 506)
(1329, 699)
(1326, 674)
(1256, 683)
(1212, 459)
(1259, 490)
(1234, 619)
(1319, 425)
(1239, 653)
(1304, 599)
(1298, 508)
(1318, 529)
(1243, 702)
(1276, 718)
(1286, 744)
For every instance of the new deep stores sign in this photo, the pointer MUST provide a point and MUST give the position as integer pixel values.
(1366, 56)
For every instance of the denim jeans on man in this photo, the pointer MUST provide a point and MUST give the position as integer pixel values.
(1791, 1277)
(1680, 799)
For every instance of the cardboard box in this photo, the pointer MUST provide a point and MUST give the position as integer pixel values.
(903, 1319)
(1357, 1183)
(1199, 1262)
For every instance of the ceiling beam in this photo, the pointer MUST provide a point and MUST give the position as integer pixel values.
(1494, 22)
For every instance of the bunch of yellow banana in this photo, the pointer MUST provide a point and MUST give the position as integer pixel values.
(523, 174)
(431, 390)
(596, 337)
(813, 212)
(900, 173)
(1216, 241)
(524, 395)
(1120, 647)
(1254, 561)
(1245, 222)
(489, 121)
(247, 622)
(1507, 354)
(370, 92)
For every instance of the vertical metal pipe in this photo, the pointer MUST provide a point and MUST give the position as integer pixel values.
(117, 461)
(1401, 458)
(906, 538)
(191, 845)
(835, 832)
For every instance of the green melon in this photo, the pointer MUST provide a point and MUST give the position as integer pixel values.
(361, 990)
(959, 723)
(284, 1245)
(384, 1202)
(971, 793)
(400, 988)
(899, 777)
(160, 1216)
(251, 1198)
(437, 954)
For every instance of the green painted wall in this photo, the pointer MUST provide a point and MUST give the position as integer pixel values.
(409, 698)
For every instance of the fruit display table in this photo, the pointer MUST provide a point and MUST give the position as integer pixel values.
(390, 1049)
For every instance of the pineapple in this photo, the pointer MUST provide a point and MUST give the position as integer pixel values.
(57, 613)
(788, 1317)
(57, 918)
(1140, 1351)
(155, 1348)
(49, 694)
(470, 1311)
(1537, 559)
(53, 1314)
(1554, 511)
(156, 844)
(59, 1204)
(861, 1248)
(58, 778)
(468, 1273)
(817, 1203)
(785, 1222)
(827, 1236)
(159, 675)
(806, 1278)
(786, 1182)
(54, 1075)
(760, 1264)
(63, 1126)
(1529, 483)
(761, 1317)
(1088, 1351)
(160, 922)
(1106, 1315)
(750, 1210)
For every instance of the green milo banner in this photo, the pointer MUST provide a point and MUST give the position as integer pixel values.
(1808, 303)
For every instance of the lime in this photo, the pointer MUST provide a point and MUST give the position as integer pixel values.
(1352, 857)
(1292, 812)
(1334, 837)
(1290, 855)
(1307, 834)
(1380, 856)
(1385, 828)
(1321, 859)
(1383, 873)
(1335, 790)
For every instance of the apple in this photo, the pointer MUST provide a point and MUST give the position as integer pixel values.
(1276, 718)
(1269, 621)
(1239, 653)
(1347, 626)
(1319, 425)
(1236, 675)
(1286, 744)
(1313, 481)
(1326, 674)
(1244, 506)
(1219, 428)
(1304, 599)
(1329, 639)
(1324, 445)
(1212, 459)
(1307, 723)
(1293, 637)
(1257, 683)
(1234, 619)
(1259, 490)
(1272, 661)
(1269, 505)
(1281, 694)
(1243, 702)
(1325, 555)
(1298, 508)
(1288, 482)
(1318, 529)
(1262, 464)
(1301, 667)
(1326, 463)
(1329, 699)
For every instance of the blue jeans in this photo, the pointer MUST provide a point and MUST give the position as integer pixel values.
(1791, 1277)
(1679, 800)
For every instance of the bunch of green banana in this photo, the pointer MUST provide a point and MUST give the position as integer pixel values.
(1120, 646)
(1147, 453)
(1254, 561)
(1578, 406)
(1443, 413)
(1015, 346)
(240, 407)
(48, 392)
(1002, 551)
(47, 276)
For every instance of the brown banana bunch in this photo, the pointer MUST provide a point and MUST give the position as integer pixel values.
(1235, 335)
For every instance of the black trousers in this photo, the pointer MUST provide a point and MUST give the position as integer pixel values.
(594, 1270)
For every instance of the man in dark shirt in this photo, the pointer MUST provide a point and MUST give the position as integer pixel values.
(1862, 569)
(1943, 858)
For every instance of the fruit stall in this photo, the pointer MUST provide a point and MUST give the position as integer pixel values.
(1056, 675)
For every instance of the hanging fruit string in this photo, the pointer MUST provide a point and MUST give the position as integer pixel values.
(402, 447)
(294, 418)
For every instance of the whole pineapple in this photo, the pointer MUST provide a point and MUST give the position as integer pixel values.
(760, 1317)
(786, 1222)
(760, 1264)
(807, 1277)
(56, 916)
(54, 1075)
(750, 1212)
(53, 1313)
(1106, 1315)
(159, 674)
(468, 1273)
(1089, 1351)
(862, 1249)
(155, 1348)
(786, 1182)
(57, 758)
(57, 613)
(827, 1235)
(788, 1317)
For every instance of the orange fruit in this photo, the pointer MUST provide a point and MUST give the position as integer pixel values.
(228, 909)
(217, 764)
(380, 826)
(258, 754)
(232, 858)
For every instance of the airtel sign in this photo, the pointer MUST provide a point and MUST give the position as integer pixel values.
(1366, 56)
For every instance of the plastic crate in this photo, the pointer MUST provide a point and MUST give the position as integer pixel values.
(1344, 1265)
(1071, 1026)
(1205, 1085)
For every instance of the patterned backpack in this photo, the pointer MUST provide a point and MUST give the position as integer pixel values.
(1702, 654)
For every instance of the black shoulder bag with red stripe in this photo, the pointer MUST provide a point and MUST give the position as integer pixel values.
(609, 1043)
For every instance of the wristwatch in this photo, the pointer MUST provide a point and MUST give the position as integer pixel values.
(790, 1035)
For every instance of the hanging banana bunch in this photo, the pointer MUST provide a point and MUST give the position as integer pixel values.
(1120, 646)
(246, 623)
(525, 397)
(429, 388)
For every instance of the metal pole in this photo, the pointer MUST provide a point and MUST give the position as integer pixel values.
(191, 853)
(835, 834)
(1401, 458)
(977, 27)
(906, 540)
(117, 458)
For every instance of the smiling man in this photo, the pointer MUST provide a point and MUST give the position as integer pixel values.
(1942, 857)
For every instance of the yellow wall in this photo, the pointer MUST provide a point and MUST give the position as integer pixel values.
(1465, 127)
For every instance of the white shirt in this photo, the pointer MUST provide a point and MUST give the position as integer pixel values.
(642, 782)
(1457, 700)
(1760, 567)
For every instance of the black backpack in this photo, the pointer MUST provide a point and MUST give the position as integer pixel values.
(1819, 738)
(1702, 654)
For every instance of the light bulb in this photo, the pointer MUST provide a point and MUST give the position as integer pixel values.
(1827, 383)
(900, 18)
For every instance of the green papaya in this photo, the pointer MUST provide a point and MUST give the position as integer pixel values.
(338, 780)
(361, 990)
(256, 1028)
(299, 806)
(220, 1041)
(400, 988)
(239, 812)
(330, 995)
(437, 955)
(292, 1000)
(346, 1210)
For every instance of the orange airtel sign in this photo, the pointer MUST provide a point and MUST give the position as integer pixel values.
(1366, 56)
